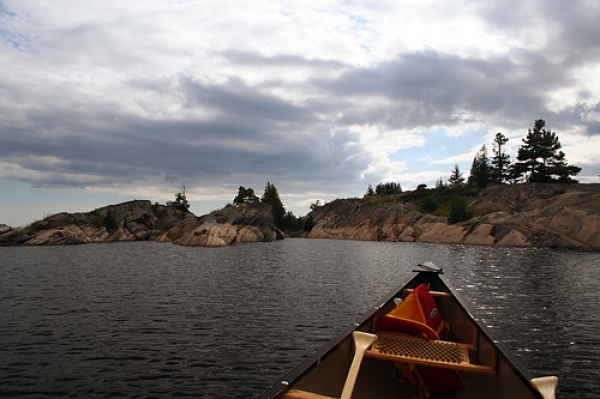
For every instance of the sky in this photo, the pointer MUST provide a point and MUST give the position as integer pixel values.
(103, 102)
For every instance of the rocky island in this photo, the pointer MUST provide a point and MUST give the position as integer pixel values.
(140, 220)
(521, 215)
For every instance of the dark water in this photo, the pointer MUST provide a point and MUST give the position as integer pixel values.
(147, 320)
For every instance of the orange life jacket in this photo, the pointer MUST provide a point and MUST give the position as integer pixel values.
(416, 315)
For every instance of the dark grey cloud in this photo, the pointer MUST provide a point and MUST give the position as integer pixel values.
(572, 26)
(426, 89)
(247, 58)
(247, 131)
(237, 100)
(244, 128)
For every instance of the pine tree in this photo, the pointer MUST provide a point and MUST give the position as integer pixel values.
(181, 203)
(456, 178)
(388, 188)
(439, 184)
(271, 197)
(500, 161)
(479, 176)
(245, 196)
(539, 158)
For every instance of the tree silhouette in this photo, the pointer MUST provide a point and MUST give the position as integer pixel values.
(271, 197)
(245, 196)
(500, 160)
(539, 158)
(181, 203)
(479, 175)
(456, 178)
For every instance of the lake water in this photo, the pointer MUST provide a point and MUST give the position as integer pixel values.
(149, 320)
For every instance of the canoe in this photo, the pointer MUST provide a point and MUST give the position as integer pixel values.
(420, 341)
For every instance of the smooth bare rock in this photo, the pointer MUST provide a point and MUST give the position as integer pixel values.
(441, 233)
(319, 231)
(55, 237)
(230, 225)
(208, 235)
(481, 235)
(13, 235)
(250, 234)
(514, 239)
(355, 219)
(407, 235)
(590, 231)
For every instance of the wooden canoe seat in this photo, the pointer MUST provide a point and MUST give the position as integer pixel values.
(403, 348)
(298, 394)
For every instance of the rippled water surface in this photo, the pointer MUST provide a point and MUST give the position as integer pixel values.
(148, 320)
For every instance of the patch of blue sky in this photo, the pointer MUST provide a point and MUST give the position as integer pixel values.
(5, 13)
(13, 39)
(443, 150)
(359, 19)
(18, 42)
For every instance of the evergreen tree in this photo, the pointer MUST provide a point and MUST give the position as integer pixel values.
(514, 175)
(562, 171)
(245, 196)
(316, 205)
(479, 175)
(456, 178)
(291, 222)
(500, 160)
(181, 203)
(388, 188)
(439, 184)
(271, 197)
(539, 158)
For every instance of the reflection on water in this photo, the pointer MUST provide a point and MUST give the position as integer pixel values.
(159, 320)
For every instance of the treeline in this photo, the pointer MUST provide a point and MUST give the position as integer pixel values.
(282, 219)
(447, 200)
(539, 159)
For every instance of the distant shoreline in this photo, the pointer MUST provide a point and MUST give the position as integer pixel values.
(522, 215)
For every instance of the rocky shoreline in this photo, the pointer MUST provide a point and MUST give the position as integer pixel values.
(524, 215)
(139, 220)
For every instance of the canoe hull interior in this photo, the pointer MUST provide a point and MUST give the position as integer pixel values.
(324, 373)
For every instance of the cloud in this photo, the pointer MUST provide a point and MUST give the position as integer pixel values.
(318, 98)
